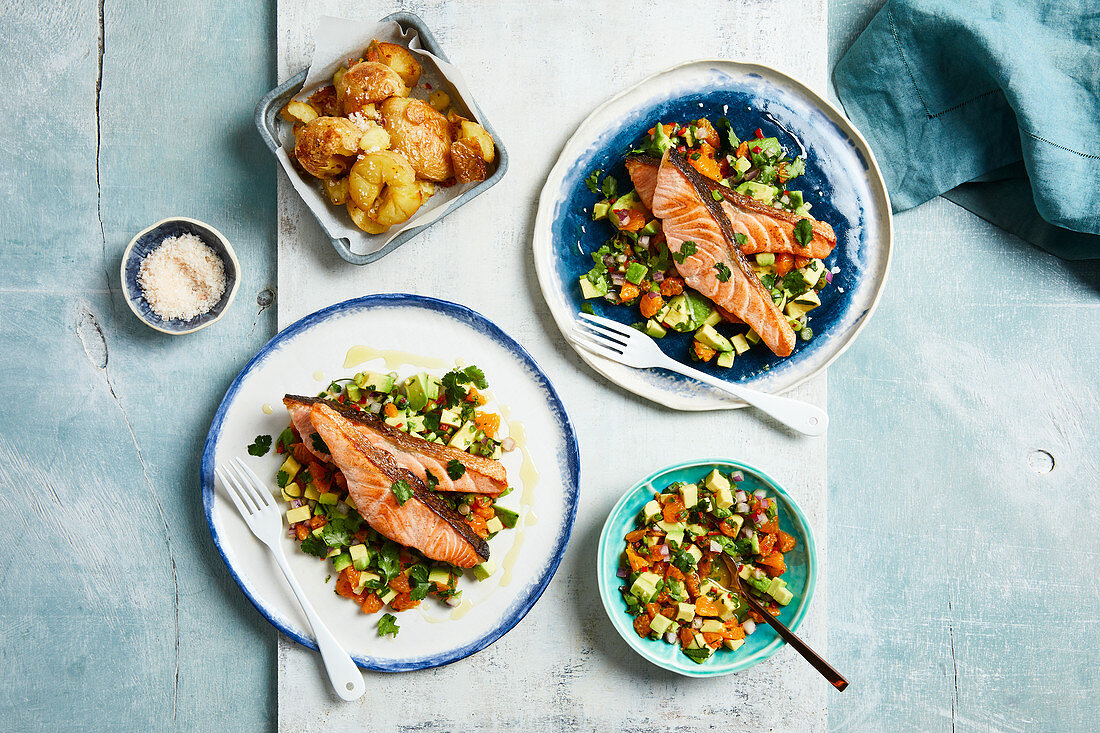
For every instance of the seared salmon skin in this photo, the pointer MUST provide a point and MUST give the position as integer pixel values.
(299, 409)
(766, 228)
(717, 268)
(423, 521)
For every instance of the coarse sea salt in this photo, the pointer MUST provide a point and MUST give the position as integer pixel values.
(182, 278)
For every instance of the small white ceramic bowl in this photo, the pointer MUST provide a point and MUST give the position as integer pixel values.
(148, 240)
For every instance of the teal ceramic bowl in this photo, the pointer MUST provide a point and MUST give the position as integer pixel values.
(801, 575)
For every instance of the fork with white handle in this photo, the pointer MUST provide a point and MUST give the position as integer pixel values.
(263, 517)
(626, 345)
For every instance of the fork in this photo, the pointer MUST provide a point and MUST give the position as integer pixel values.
(263, 517)
(626, 345)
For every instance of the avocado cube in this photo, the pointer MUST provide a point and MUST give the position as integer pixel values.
(708, 586)
(373, 382)
(364, 578)
(675, 537)
(747, 571)
(311, 492)
(450, 417)
(360, 556)
(712, 626)
(752, 337)
(725, 359)
(290, 468)
(697, 641)
(742, 164)
(440, 576)
(685, 612)
(782, 596)
(415, 424)
(334, 552)
(507, 517)
(709, 336)
(660, 624)
(651, 511)
(715, 481)
(696, 554)
(733, 644)
(651, 228)
(774, 585)
(328, 499)
(463, 437)
(740, 344)
(667, 527)
(590, 290)
(416, 390)
(484, 570)
(642, 589)
(388, 595)
(494, 525)
(341, 561)
(300, 514)
(712, 319)
(655, 329)
(689, 494)
(600, 209)
(292, 489)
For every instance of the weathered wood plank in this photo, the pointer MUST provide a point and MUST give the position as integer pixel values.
(562, 666)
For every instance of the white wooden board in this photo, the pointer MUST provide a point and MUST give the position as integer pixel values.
(537, 69)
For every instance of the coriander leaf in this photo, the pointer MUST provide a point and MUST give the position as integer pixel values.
(387, 625)
(476, 376)
(740, 239)
(335, 534)
(698, 655)
(686, 249)
(285, 438)
(432, 480)
(455, 469)
(610, 187)
(586, 307)
(723, 272)
(402, 491)
(388, 564)
(314, 545)
(803, 232)
(260, 446)
(723, 124)
(282, 478)
(318, 443)
(593, 181)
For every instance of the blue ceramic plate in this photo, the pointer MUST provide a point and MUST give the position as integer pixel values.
(406, 334)
(842, 182)
(148, 240)
(801, 575)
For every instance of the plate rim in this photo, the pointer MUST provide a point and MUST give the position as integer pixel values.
(773, 646)
(449, 308)
(544, 218)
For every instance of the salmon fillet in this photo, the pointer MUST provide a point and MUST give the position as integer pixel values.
(299, 408)
(423, 522)
(766, 228)
(688, 213)
(481, 476)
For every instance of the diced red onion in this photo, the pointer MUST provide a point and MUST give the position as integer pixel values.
(454, 601)
(696, 623)
(760, 518)
(750, 174)
(661, 551)
(376, 408)
(618, 278)
(670, 637)
(644, 240)
(760, 493)
(609, 260)
(622, 573)
(741, 496)
(658, 277)
(507, 444)
(295, 504)
(715, 547)
(829, 277)
(738, 476)
(749, 626)
(742, 507)
(463, 509)
(746, 532)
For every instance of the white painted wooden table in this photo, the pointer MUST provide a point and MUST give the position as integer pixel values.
(537, 69)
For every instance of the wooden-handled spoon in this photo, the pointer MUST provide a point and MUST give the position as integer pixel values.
(787, 635)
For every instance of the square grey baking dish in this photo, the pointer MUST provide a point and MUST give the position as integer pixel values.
(268, 122)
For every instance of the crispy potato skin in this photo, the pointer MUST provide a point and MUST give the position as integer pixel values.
(368, 82)
(422, 134)
(468, 160)
(398, 58)
(325, 146)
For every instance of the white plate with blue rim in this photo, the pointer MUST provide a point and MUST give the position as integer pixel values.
(842, 181)
(405, 334)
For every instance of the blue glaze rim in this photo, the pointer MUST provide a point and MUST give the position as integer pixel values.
(606, 567)
(147, 240)
(482, 325)
(266, 120)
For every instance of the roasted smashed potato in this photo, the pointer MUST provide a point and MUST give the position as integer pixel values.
(367, 83)
(398, 58)
(378, 150)
(325, 146)
(422, 134)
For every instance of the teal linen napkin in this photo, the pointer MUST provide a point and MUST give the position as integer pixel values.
(995, 105)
